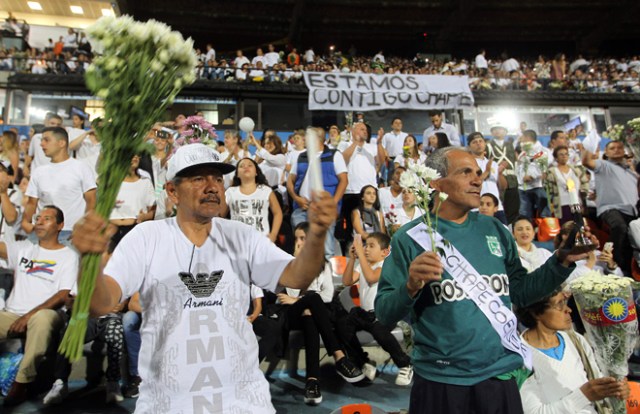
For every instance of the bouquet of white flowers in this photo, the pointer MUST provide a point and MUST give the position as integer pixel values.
(417, 179)
(608, 311)
(142, 69)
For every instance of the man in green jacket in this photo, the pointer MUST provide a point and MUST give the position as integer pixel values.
(467, 349)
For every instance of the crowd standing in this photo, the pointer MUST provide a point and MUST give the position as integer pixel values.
(496, 185)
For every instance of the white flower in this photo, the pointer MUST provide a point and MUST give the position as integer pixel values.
(424, 172)
(443, 196)
(163, 56)
(103, 93)
(111, 63)
(408, 180)
(156, 66)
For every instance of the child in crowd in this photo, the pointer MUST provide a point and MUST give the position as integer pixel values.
(307, 310)
(267, 329)
(488, 205)
(368, 218)
(364, 267)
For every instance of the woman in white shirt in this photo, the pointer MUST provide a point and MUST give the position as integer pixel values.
(560, 383)
(408, 211)
(270, 158)
(136, 202)
(531, 256)
(410, 154)
(560, 179)
(250, 199)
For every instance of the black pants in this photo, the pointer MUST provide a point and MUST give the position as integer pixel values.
(618, 223)
(492, 396)
(107, 330)
(318, 323)
(360, 320)
(511, 203)
(269, 332)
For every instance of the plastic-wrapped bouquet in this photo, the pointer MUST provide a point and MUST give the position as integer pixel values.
(198, 131)
(608, 311)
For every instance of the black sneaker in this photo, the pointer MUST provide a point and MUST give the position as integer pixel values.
(312, 394)
(132, 390)
(347, 370)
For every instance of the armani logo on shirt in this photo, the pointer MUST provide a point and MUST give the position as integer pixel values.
(203, 284)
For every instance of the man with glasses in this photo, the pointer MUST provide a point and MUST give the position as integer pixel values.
(194, 272)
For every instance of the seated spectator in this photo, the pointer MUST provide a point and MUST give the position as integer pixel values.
(364, 267)
(131, 322)
(267, 329)
(44, 274)
(489, 205)
(532, 257)
(307, 310)
(106, 329)
(368, 218)
(566, 378)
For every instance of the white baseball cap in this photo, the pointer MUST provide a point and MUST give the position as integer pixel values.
(192, 155)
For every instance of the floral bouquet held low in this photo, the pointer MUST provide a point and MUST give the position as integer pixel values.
(141, 70)
(608, 311)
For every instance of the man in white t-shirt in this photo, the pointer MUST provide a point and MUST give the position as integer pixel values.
(363, 162)
(44, 274)
(437, 125)
(393, 141)
(492, 178)
(334, 179)
(66, 182)
(193, 272)
(481, 63)
(272, 57)
(35, 157)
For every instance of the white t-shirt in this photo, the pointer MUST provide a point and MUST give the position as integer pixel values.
(251, 209)
(63, 184)
(403, 218)
(393, 143)
(387, 201)
(133, 197)
(89, 153)
(272, 58)
(481, 61)
(362, 168)
(490, 185)
(241, 60)
(338, 165)
(367, 291)
(400, 160)
(39, 274)
(199, 352)
(322, 285)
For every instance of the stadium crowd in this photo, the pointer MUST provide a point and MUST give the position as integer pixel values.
(72, 54)
(48, 182)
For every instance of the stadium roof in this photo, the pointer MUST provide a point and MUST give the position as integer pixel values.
(404, 27)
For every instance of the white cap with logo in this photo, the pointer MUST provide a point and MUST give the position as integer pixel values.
(192, 155)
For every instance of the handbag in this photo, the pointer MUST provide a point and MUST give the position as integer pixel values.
(548, 228)
(603, 406)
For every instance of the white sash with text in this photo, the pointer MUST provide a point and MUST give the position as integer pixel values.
(502, 319)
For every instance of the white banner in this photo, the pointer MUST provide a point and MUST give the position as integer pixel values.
(369, 92)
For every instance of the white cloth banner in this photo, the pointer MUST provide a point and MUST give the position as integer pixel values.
(370, 92)
(502, 320)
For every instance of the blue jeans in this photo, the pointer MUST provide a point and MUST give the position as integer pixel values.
(532, 201)
(131, 322)
(299, 215)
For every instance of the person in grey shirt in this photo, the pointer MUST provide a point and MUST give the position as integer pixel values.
(439, 126)
(616, 197)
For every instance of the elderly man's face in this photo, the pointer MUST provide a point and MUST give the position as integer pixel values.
(462, 183)
(200, 194)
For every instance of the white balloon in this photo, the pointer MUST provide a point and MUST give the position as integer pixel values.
(246, 124)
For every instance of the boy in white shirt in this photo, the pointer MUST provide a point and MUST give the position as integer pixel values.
(366, 272)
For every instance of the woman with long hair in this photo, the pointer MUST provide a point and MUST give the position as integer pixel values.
(249, 199)
(410, 154)
(436, 141)
(368, 218)
(10, 151)
(270, 156)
